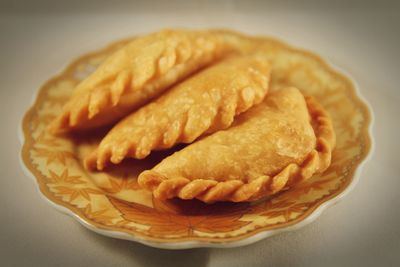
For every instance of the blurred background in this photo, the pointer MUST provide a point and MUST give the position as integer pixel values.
(39, 38)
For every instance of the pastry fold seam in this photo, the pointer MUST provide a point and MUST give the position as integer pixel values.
(135, 74)
(209, 191)
(214, 104)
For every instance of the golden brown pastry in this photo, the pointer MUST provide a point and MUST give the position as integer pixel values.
(136, 73)
(204, 103)
(284, 140)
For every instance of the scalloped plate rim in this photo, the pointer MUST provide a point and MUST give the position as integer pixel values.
(177, 245)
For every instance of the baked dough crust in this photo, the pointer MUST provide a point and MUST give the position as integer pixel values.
(283, 141)
(205, 103)
(136, 73)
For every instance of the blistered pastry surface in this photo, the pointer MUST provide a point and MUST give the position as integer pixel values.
(206, 102)
(267, 149)
(113, 200)
(137, 72)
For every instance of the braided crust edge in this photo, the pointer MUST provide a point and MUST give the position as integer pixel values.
(227, 108)
(209, 191)
(93, 108)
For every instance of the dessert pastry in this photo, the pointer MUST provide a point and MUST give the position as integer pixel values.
(204, 103)
(134, 74)
(282, 141)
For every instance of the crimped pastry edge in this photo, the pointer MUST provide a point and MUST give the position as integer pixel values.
(99, 159)
(209, 191)
(83, 113)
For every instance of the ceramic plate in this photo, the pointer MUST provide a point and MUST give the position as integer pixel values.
(111, 203)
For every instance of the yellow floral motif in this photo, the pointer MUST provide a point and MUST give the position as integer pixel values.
(114, 201)
(53, 156)
(285, 209)
(76, 192)
(220, 217)
(64, 177)
(319, 184)
(118, 184)
(47, 140)
(99, 215)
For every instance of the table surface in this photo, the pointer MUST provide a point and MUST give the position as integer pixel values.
(38, 41)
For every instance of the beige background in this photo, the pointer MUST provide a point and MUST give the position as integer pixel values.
(39, 39)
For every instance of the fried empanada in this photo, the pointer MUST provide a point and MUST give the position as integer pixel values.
(204, 103)
(139, 71)
(282, 141)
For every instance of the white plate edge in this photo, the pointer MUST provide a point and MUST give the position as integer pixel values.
(204, 244)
